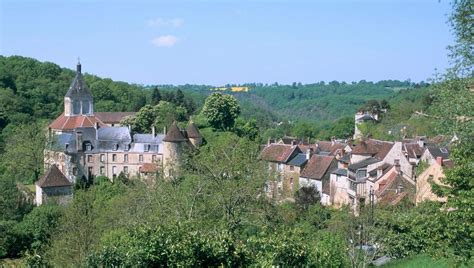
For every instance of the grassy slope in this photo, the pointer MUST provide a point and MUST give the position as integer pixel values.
(420, 261)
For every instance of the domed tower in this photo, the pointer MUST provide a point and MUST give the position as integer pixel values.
(172, 149)
(78, 99)
(194, 135)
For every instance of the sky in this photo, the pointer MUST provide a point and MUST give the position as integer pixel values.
(230, 42)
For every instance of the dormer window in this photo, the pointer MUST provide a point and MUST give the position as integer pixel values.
(88, 147)
(147, 147)
(115, 147)
(66, 146)
(127, 147)
(361, 173)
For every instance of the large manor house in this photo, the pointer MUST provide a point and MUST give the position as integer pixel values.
(84, 144)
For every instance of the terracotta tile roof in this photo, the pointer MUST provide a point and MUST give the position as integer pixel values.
(113, 117)
(77, 121)
(149, 168)
(193, 131)
(329, 146)
(53, 178)
(373, 147)
(174, 134)
(317, 166)
(389, 193)
(278, 152)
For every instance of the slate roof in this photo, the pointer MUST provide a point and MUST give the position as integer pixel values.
(114, 134)
(77, 121)
(317, 167)
(277, 152)
(385, 168)
(113, 117)
(53, 178)
(373, 147)
(192, 131)
(174, 134)
(340, 171)
(414, 150)
(366, 117)
(299, 160)
(363, 163)
(345, 159)
(436, 151)
(78, 88)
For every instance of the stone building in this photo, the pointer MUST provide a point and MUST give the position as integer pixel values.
(53, 187)
(82, 145)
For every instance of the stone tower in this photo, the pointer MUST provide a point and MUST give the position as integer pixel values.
(78, 99)
(194, 135)
(172, 148)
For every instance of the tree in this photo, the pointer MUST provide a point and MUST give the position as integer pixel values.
(24, 152)
(155, 96)
(307, 196)
(159, 116)
(221, 110)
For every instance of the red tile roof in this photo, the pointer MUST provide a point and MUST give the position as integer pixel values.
(388, 191)
(53, 178)
(149, 168)
(278, 152)
(413, 150)
(113, 117)
(329, 146)
(71, 122)
(317, 166)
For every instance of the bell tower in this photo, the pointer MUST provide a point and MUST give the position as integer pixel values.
(78, 99)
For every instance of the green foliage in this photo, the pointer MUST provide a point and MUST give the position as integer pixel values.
(221, 110)
(24, 155)
(159, 116)
(307, 196)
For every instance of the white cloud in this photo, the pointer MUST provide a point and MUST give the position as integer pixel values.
(161, 22)
(165, 41)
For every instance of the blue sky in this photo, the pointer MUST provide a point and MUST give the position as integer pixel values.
(219, 42)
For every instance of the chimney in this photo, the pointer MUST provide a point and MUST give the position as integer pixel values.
(96, 126)
(268, 141)
(293, 142)
(396, 164)
(333, 140)
(79, 141)
(439, 160)
(379, 171)
(421, 142)
(164, 130)
(309, 152)
(153, 131)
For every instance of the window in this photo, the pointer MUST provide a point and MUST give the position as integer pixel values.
(140, 158)
(102, 158)
(102, 170)
(280, 167)
(153, 158)
(125, 158)
(361, 173)
(88, 147)
(115, 147)
(114, 158)
(292, 168)
(147, 147)
(90, 169)
(114, 170)
(127, 147)
(90, 159)
(125, 169)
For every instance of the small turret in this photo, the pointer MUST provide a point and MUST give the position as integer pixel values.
(194, 135)
(172, 149)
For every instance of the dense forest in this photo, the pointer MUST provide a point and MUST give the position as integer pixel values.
(215, 213)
